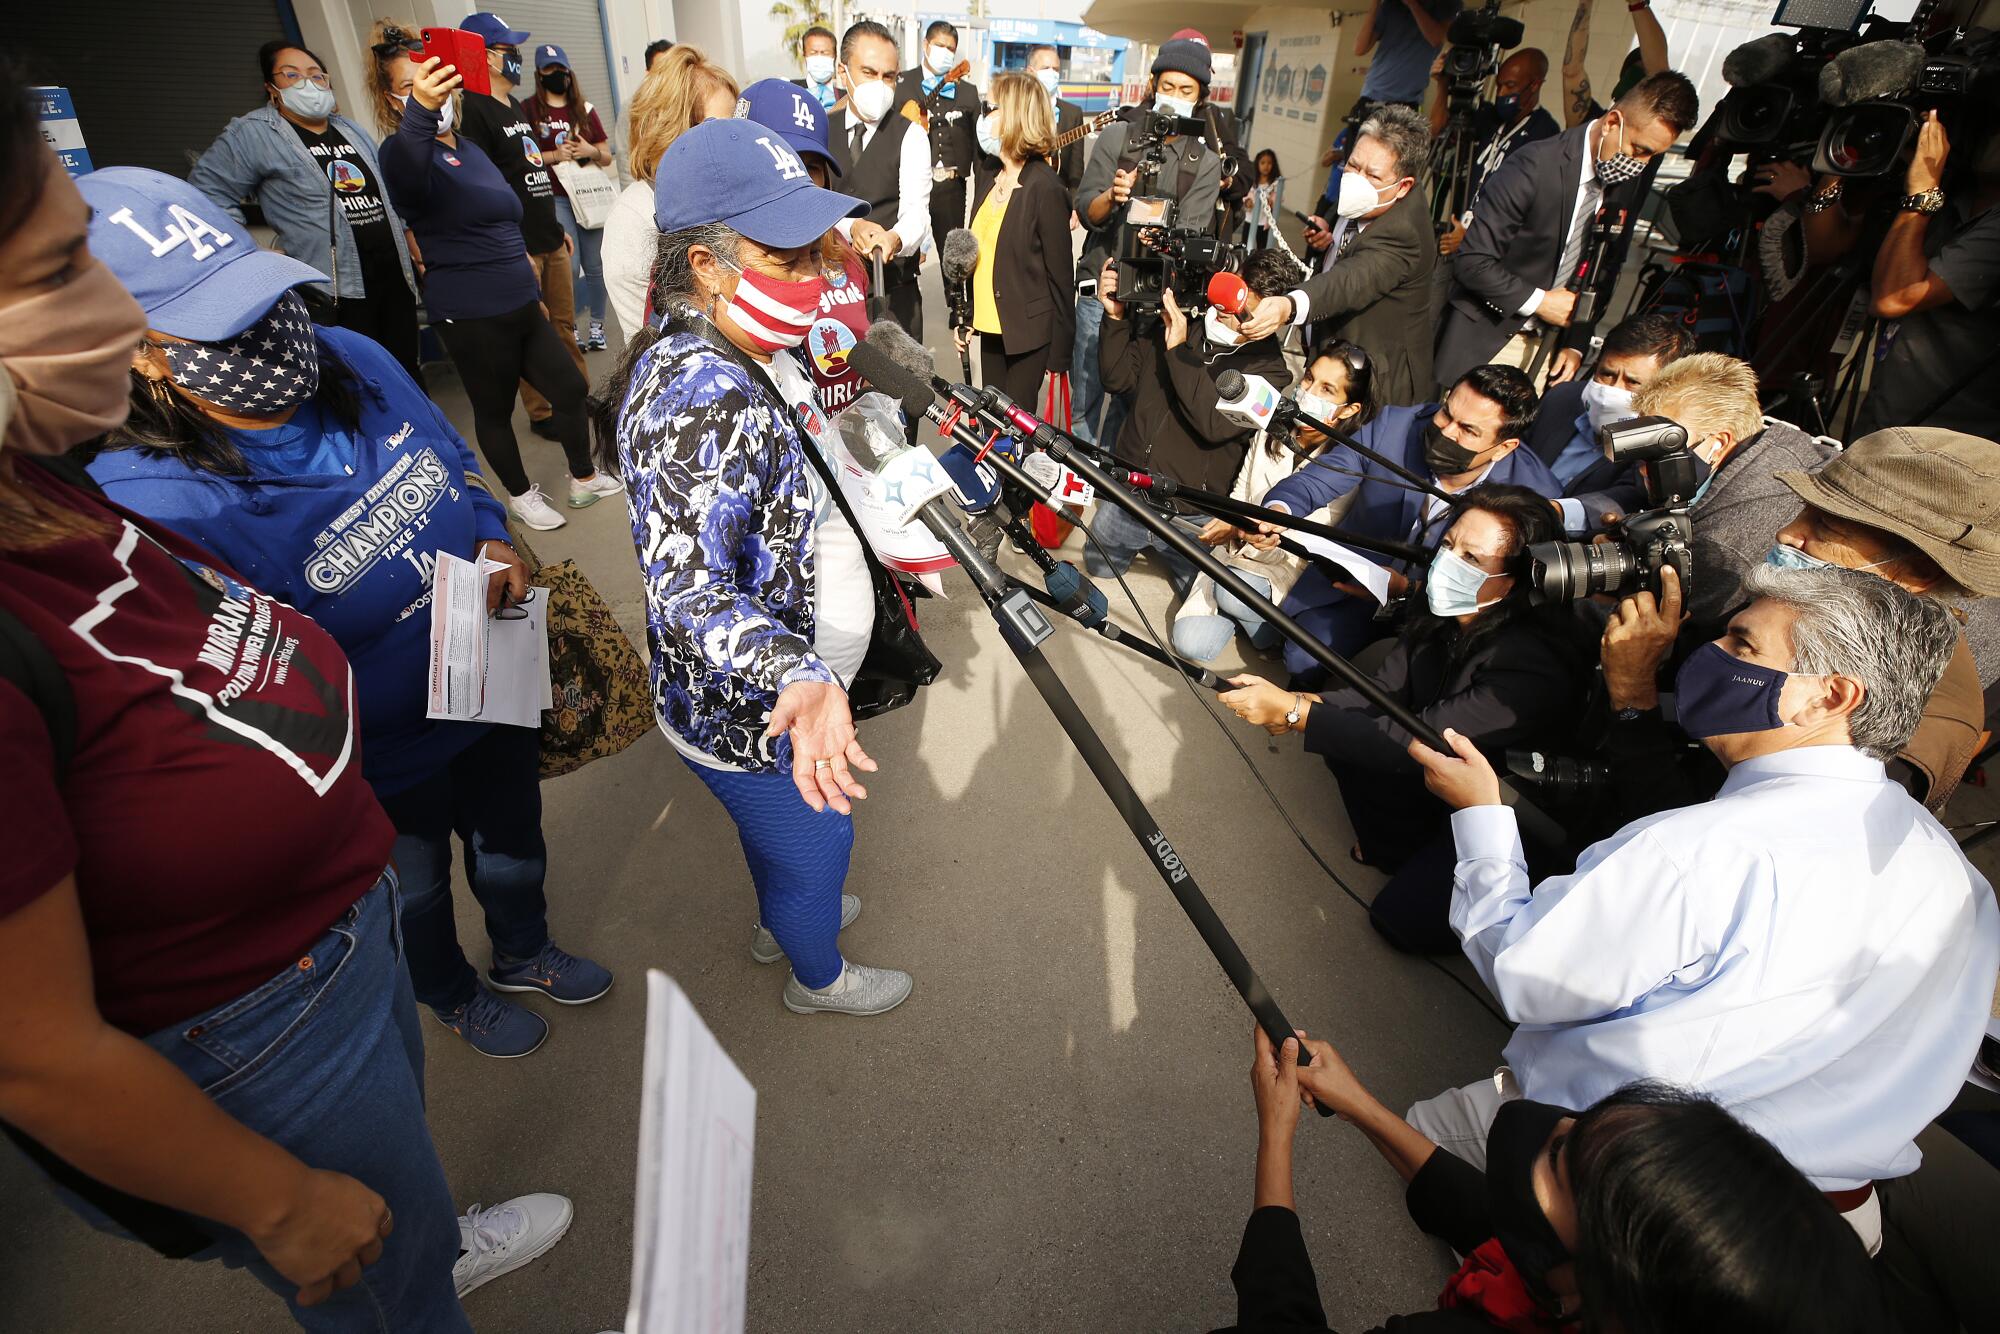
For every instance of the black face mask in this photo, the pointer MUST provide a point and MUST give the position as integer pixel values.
(1444, 456)
(1520, 1132)
(556, 81)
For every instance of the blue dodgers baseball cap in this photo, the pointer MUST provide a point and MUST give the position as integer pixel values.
(196, 272)
(743, 174)
(548, 53)
(781, 105)
(493, 29)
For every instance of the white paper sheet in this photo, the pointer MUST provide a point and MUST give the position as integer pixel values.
(1366, 572)
(485, 669)
(697, 1127)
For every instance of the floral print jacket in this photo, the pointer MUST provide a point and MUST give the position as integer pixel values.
(721, 500)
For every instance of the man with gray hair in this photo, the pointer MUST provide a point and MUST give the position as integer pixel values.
(1373, 286)
(1810, 948)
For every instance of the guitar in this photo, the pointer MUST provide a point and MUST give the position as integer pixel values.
(920, 114)
(1090, 126)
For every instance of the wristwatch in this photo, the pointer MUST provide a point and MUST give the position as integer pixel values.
(1926, 202)
(1298, 704)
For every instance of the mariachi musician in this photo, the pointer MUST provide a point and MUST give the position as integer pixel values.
(935, 95)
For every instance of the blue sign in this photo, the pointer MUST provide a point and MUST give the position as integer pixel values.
(61, 128)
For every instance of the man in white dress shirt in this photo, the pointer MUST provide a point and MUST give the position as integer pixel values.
(1810, 948)
(885, 161)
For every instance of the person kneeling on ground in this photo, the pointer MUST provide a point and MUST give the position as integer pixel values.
(1177, 428)
(1339, 391)
(1651, 1210)
(280, 472)
(1811, 948)
(1477, 656)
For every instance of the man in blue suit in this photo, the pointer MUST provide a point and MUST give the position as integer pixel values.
(1473, 436)
(1564, 435)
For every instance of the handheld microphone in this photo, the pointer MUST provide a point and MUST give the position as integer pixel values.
(1228, 293)
(1076, 595)
(1871, 70)
(958, 258)
(977, 485)
(1253, 400)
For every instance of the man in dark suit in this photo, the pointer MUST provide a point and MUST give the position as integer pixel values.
(882, 158)
(1045, 63)
(1564, 435)
(953, 108)
(1552, 223)
(1374, 287)
(1473, 436)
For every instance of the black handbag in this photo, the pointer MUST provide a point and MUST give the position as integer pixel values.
(898, 662)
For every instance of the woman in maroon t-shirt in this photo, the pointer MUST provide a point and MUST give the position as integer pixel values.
(211, 1042)
(568, 130)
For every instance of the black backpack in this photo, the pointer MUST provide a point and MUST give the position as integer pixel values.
(27, 664)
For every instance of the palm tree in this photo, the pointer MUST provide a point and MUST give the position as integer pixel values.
(799, 15)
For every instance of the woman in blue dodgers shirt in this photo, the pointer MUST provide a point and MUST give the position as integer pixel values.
(759, 605)
(310, 462)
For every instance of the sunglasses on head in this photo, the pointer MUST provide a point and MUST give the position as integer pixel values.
(395, 39)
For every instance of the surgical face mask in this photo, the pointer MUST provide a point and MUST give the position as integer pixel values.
(1444, 456)
(510, 66)
(819, 69)
(871, 100)
(939, 59)
(987, 130)
(1517, 1140)
(1357, 196)
(270, 366)
(1051, 80)
(308, 101)
(1219, 334)
(1782, 557)
(446, 113)
(1454, 585)
(1604, 404)
(1620, 166)
(774, 312)
(1172, 106)
(1319, 409)
(69, 353)
(1719, 694)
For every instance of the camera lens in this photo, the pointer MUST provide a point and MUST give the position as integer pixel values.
(1868, 139)
(1756, 114)
(1565, 571)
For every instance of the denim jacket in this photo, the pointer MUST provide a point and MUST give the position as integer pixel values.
(722, 515)
(260, 156)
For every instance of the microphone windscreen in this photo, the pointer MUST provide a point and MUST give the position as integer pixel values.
(896, 364)
(1228, 293)
(1759, 61)
(1080, 598)
(977, 489)
(1875, 69)
(904, 350)
(1230, 384)
(959, 255)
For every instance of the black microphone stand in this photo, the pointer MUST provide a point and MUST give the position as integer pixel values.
(1025, 629)
(1001, 413)
(1228, 507)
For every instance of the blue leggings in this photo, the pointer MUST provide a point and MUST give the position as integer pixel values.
(798, 861)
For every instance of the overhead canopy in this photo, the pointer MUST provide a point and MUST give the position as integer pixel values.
(1154, 22)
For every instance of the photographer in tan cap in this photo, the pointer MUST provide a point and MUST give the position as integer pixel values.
(1920, 507)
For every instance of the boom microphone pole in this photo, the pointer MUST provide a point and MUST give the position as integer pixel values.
(887, 372)
(1256, 402)
(1228, 507)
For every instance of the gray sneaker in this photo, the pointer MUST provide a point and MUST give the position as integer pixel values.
(764, 945)
(869, 991)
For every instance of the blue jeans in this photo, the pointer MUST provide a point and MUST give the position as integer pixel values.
(588, 242)
(490, 795)
(798, 862)
(1202, 638)
(326, 1060)
(1124, 537)
(1086, 382)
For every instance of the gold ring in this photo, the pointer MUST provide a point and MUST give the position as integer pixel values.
(822, 764)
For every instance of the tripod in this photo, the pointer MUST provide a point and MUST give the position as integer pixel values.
(1457, 149)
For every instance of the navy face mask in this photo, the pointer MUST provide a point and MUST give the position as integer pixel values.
(1716, 694)
(1519, 1134)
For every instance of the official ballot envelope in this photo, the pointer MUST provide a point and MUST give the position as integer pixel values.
(697, 1126)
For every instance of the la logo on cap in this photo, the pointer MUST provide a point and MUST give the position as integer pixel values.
(784, 159)
(184, 228)
(802, 113)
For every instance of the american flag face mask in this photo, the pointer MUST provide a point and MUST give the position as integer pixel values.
(270, 366)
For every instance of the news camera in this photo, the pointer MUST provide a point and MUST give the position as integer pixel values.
(1875, 128)
(1150, 245)
(1641, 544)
(1476, 37)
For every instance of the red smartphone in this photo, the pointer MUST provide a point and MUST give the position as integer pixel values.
(465, 50)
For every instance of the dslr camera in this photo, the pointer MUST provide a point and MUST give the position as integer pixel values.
(1154, 254)
(1477, 38)
(1642, 544)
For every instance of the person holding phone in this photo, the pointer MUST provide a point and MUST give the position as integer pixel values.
(481, 289)
(211, 1035)
(283, 475)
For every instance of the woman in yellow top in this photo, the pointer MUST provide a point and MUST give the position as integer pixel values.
(1024, 290)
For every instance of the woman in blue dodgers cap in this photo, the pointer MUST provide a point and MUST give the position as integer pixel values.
(317, 469)
(759, 604)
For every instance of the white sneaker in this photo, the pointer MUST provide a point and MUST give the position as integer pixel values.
(764, 946)
(862, 991)
(500, 1240)
(584, 494)
(532, 509)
